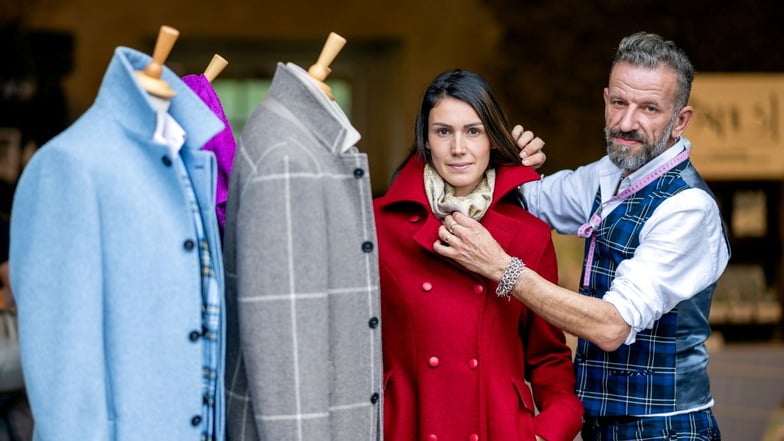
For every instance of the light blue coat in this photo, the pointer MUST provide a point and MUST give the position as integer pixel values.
(107, 284)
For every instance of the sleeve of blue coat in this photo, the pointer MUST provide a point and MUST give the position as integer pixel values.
(56, 271)
(282, 251)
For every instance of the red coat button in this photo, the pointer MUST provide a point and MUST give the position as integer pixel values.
(479, 289)
(432, 437)
(413, 219)
(473, 437)
(427, 286)
(433, 361)
(473, 363)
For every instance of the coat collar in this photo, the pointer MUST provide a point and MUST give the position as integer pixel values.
(122, 97)
(409, 188)
(409, 185)
(311, 107)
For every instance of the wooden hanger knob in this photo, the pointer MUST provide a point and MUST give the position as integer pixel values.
(216, 66)
(150, 78)
(321, 69)
(163, 46)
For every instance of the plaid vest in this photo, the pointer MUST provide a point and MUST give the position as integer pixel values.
(640, 378)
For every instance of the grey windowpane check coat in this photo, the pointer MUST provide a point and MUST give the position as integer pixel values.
(304, 344)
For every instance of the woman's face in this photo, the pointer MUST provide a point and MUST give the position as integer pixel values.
(458, 143)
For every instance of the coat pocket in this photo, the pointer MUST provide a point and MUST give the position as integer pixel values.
(525, 416)
(524, 395)
(400, 409)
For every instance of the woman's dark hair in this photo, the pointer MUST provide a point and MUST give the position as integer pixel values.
(472, 89)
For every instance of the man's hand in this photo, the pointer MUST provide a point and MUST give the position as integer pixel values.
(531, 146)
(468, 243)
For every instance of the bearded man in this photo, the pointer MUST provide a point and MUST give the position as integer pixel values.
(655, 247)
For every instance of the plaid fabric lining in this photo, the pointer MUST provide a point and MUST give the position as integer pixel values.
(210, 311)
(694, 426)
(636, 379)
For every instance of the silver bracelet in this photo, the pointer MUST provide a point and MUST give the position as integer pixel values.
(509, 278)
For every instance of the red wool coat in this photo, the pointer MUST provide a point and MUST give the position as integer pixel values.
(457, 357)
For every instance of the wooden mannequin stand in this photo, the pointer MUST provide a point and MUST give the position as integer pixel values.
(216, 66)
(150, 77)
(321, 69)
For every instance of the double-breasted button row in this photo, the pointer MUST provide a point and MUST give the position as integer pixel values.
(434, 361)
(478, 288)
(434, 437)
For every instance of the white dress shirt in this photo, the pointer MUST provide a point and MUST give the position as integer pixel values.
(682, 246)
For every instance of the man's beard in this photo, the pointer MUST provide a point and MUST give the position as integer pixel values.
(624, 158)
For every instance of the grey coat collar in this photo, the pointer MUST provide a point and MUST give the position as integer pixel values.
(311, 107)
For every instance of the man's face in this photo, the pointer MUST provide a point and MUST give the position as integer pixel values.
(640, 115)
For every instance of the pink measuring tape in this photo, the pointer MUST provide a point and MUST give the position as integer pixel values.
(588, 229)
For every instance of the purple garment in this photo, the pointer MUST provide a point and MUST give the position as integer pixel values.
(223, 145)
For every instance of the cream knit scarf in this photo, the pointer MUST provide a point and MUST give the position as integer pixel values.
(443, 201)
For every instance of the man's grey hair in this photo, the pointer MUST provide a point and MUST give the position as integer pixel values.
(651, 50)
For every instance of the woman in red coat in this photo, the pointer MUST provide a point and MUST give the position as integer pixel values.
(459, 359)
